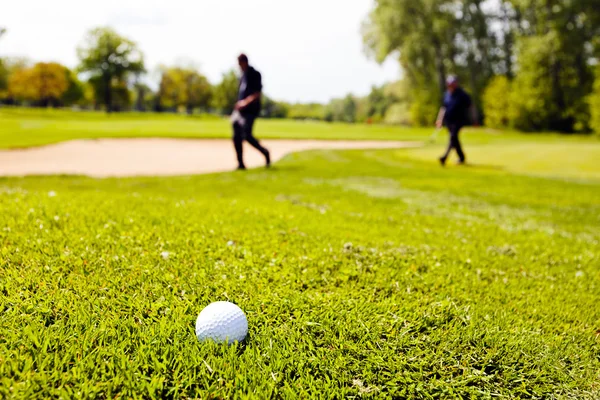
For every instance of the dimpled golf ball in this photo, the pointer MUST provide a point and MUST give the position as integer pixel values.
(222, 322)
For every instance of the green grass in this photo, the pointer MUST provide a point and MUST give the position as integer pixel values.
(572, 157)
(362, 273)
(25, 128)
(34, 127)
(569, 158)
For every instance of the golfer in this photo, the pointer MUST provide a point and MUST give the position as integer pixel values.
(455, 114)
(246, 111)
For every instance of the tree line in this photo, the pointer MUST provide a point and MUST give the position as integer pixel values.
(530, 64)
(110, 77)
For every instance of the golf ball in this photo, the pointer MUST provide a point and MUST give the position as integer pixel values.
(222, 322)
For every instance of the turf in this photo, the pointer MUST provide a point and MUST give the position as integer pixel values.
(565, 158)
(362, 273)
(26, 128)
(21, 127)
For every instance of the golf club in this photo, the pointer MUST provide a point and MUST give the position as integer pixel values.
(434, 136)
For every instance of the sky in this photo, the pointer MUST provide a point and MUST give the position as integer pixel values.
(308, 50)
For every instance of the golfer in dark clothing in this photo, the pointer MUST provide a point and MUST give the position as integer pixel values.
(455, 114)
(247, 110)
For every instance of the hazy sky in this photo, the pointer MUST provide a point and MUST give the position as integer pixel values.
(308, 50)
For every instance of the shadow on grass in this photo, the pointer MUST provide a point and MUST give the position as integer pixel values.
(242, 347)
(483, 166)
(279, 168)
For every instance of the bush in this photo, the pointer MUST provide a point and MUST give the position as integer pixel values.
(398, 114)
(312, 111)
(549, 93)
(496, 102)
(424, 107)
(594, 102)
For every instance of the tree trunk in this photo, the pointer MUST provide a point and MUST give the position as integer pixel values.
(108, 93)
(474, 71)
(439, 66)
(508, 41)
(140, 100)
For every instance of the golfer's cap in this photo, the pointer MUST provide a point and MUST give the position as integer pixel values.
(452, 80)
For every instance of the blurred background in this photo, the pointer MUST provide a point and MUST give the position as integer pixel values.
(530, 65)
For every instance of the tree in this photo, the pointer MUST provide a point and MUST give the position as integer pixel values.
(226, 93)
(8, 67)
(120, 95)
(476, 57)
(109, 58)
(75, 90)
(422, 33)
(43, 84)
(398, 112)
(3, 70)
(556, 45)
(184, 87)
(349, 109)
(144, 97)
(342, 110)
(496, 102)
(594, 101)
(198, 90)
(274, 109)
(3, 79)
(310, 111)
(378, 102)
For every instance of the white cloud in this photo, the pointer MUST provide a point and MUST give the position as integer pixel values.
(308, 50)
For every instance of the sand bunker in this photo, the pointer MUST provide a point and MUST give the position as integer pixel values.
(157, 157)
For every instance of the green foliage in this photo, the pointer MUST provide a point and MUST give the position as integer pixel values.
(348, 109)
(74, 95)
(3, 71)
(184, 87)
(497, 102)
(424, 106)
(334, 111)
(397, 114)
(434, 38)
(274, 109)
(109, 58)
(120, 97)
(557, 42)
(375, 106)
(362, 273)
(144, 98)
(546, 99)
(9, 67)
(594, 102)
(398, 103)
(3, 79)
(550, 88)
(311, 111)
(43, 84)
(225, 94)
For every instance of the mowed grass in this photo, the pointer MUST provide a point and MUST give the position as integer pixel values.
(575, 158)
(551, 155)
(363, 274)
(21, 127)
(26, 128)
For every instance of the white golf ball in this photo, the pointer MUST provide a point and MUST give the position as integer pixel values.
(222, 322)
